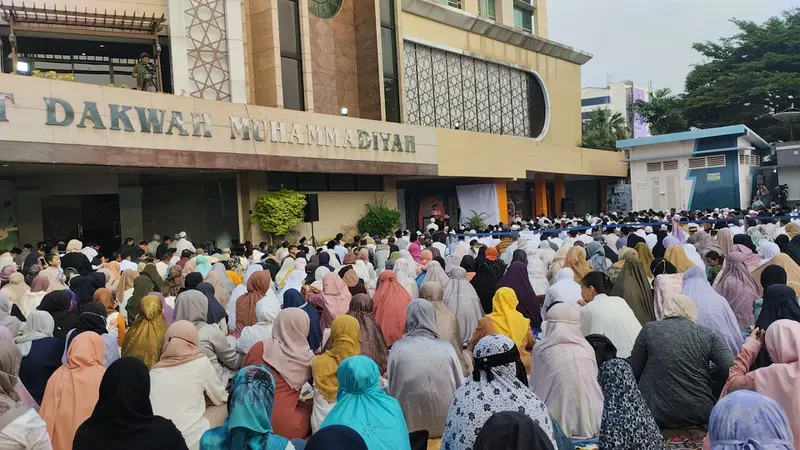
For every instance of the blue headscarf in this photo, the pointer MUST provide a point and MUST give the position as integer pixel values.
(748, 420)
(248, 425)
(293, 299)
(202, 265)
(364, 407)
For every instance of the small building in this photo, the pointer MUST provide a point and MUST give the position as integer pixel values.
(695, 170)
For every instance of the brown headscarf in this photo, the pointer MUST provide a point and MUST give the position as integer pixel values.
(349, 259)
(180, 345)
(112, 280)
(645, 256)
(576, 260)
(288, 351)
(155, 277)
(373, 345)
(145, 338)
(125, 283)
(105, 297)
(257, 287)
(446, 320)
(16, 287)
(633, 286)
(351, 279)
(222, 295)
(174, 281)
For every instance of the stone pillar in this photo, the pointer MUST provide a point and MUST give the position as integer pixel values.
(251, 186)
(560, 192)
(540, 194)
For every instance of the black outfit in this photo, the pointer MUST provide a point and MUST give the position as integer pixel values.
(610, 254)
(77, 261)
(793, 249)
(747, 241)
(161, 250)
(88, 285)
(215, 311)
(91, 318)
(123, 417)
(512, 430)
(192, 280)
(43, 359)
(661, 266)
(659, 250)
(780, 302)
(337, 437)
(468, 263)
(485, 283)
(634, 239)
(783, 243)
(57, 303)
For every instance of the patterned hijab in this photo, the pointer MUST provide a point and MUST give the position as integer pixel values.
(627, 421)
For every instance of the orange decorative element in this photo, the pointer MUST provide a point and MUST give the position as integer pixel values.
(502, 202)
(540, 194)
(560, 192)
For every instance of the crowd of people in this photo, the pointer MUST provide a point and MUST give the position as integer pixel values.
(645, 331)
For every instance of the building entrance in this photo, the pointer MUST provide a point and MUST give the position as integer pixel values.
(90, 218)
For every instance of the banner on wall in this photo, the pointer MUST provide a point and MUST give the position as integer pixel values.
(620, 198)
(478, 199)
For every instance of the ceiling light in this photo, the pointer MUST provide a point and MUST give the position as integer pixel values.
(5, 165)
(343, 110)
(23, 67)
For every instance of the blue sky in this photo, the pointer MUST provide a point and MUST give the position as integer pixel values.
(648, 40)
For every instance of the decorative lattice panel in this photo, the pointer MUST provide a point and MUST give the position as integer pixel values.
(209, 74)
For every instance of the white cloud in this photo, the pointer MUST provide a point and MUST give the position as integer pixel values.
(648, 40)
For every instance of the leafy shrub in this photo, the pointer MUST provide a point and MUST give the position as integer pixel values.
(279, 212)
(380, 219)
(476, 220)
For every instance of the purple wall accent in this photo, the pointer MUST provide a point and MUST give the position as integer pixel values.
(639, 126)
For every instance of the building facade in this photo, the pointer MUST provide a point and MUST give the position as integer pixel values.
(401, 99)
(695, 170)
(617, 98)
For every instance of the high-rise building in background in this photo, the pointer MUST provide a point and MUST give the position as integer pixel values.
(618, 98)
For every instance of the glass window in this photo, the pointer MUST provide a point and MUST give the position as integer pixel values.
(342, 182)
(387, 13)
(486, 8)
(281, 180)
(289, 23)
(595, 101)
(313, 182)
(523, 19)
(292, 84)
(392, 98)
(389, 52)
(369, 183)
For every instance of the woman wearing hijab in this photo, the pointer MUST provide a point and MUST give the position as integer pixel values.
(258, 285)
(336, 436)
(406, 274)
(558, 262)
(15, 288)
(364, 407)
(151, 272)
(783, 241)
(677, 257)
(142, 286)
(288, 358)
(20, 425)
(123, 417)
(468, 264)
(461, 298)
(293, 299)
(424, 371)
(751, 259)
(597, 257)
(57, 304)
(125, 285)
(576, 260)
(115, 323)
(224, 280)
(738, 288)
(607, 315)
(624, 254)
(564, 374)
(391, 301)
(497, 384)
(334, 299)
(182, 381)
(713, 311)
(646, 257)
(72, 391)
(660, 249)
(769, 250)
(732, 427)
(667, 281)
(789, 266)
(249, 425)
(435, 274)
(779, 381)
(537, 271)
(192, 305)
(446, 322)
(725, 241)
(488, 273)
(41, 353)
(344, 339)
(145, 338)
(222, 295)
(112, 281)
(89, 284)
(355, 285)
(563, 290)
(510, 430)
(174, 281)
(6, 318)
(506, 320)
(633, 286)
(216, 312)
(77, 260)
(627, 423)
(780, 302)
(31, 299)
(371, 340)
(704, 243)
(517, 279)
(267, 310)
(287, 267)
(202, 265)
(671, 360)
(773, 274)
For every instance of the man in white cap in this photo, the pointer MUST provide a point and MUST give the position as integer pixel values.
(153, 245)
(184, 244)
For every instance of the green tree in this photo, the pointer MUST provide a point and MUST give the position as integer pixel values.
(603, 129)
(279, 212)
(747, 77)
(380, 219)
(663, 113)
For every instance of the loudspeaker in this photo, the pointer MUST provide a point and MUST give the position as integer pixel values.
(567, 205)
(311, 211)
